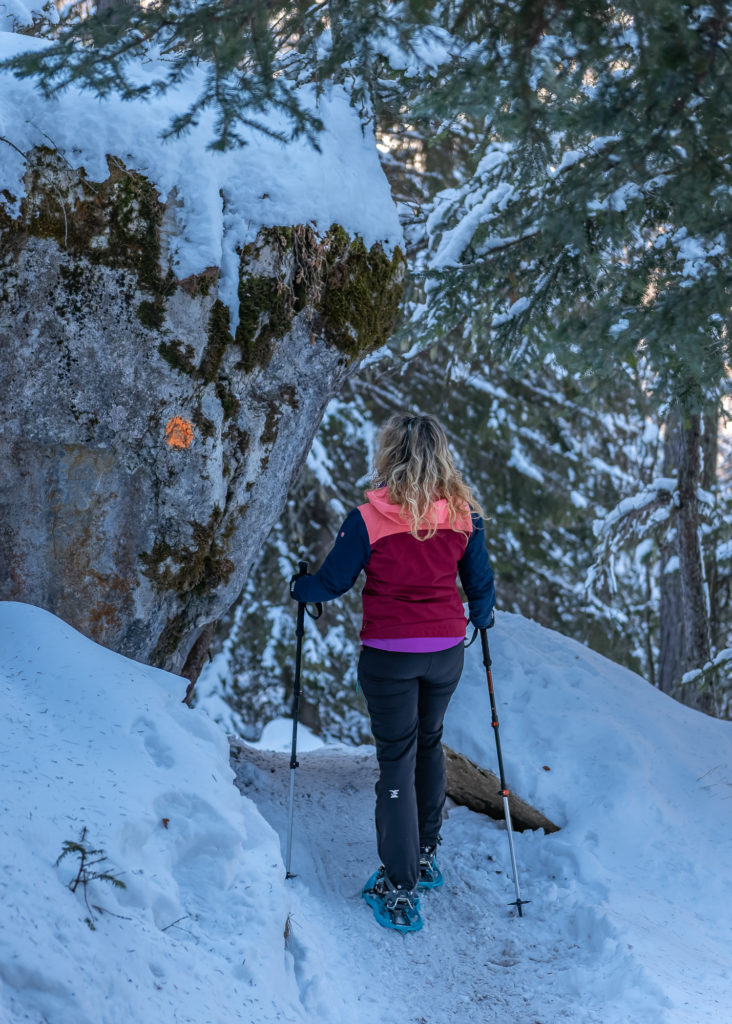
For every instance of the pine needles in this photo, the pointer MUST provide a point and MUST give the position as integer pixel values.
(89, 870)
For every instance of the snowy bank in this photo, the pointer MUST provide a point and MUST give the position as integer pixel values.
(223, 199)
(642, 787)
(93, 740)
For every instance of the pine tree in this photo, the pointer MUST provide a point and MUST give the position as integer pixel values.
(595, 227)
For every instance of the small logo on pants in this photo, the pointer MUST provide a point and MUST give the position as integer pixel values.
(394, 794)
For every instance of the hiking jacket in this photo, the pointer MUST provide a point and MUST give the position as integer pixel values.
(410, 588)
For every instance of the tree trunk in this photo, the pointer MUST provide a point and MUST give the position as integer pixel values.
(671, 619)
(480, 790)
(697, 642)
(710, 456)
(686, 639)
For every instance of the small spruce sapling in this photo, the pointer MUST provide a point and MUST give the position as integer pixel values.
(89, 861)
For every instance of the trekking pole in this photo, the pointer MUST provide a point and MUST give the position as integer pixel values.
(300, 631)
(302, 570)
(518, 902)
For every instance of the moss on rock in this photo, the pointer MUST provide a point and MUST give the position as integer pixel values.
(179, 356)
(115, 222)
(356, 291)
(169, 640)
(362, 292)
(196, 570)
(182, 358)
(219, 336)
(265, 314)
(206, 427)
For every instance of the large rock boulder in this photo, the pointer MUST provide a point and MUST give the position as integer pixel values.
(145, 450)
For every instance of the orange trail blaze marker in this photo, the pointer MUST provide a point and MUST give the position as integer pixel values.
(178, 432)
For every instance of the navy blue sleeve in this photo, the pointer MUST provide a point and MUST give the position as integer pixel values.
(476, 576)
(345, 560)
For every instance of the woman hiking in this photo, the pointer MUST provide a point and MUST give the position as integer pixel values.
(419, 529)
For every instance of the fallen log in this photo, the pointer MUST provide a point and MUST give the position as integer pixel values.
(479, 789)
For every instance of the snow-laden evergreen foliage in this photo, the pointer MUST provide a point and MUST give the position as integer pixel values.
(257, 54)
(593, 217)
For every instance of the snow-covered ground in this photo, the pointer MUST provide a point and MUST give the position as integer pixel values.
(630, 902)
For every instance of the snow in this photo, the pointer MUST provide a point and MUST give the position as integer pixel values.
(570, 157)
(320, 464)
(696, 253)
(638, 502)
(473, 209)
(523, 464)
(649, 833)
(515, 309)
(426, 52)
(224, 198)
(277, 735)
(629, 915)
(720, 659)
(93, 739)
(17, 13)
(619, 327)
(617, 200)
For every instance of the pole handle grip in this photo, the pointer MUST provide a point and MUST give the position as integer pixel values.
(486, 649)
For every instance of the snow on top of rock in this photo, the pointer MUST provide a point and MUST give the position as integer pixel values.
(19, 13)
(224, 198)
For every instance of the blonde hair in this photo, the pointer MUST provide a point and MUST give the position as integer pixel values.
(414, 462)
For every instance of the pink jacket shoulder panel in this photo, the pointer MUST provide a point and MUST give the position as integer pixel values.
(383, 519)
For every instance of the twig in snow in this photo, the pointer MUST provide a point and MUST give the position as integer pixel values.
(172, 923)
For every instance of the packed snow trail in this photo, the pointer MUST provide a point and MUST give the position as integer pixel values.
(475, 961)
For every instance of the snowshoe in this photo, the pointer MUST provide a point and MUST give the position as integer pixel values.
(393, 908)
(430, 876)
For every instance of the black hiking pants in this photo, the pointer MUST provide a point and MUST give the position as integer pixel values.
(407, 696)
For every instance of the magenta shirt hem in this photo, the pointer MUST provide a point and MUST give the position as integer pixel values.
(415, 645)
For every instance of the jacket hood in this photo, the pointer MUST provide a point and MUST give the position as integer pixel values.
(379, 500)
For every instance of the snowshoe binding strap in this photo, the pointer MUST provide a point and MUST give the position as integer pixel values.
(430, 876)
(393, 908)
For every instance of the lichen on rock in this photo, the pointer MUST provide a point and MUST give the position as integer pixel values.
(114, 222)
